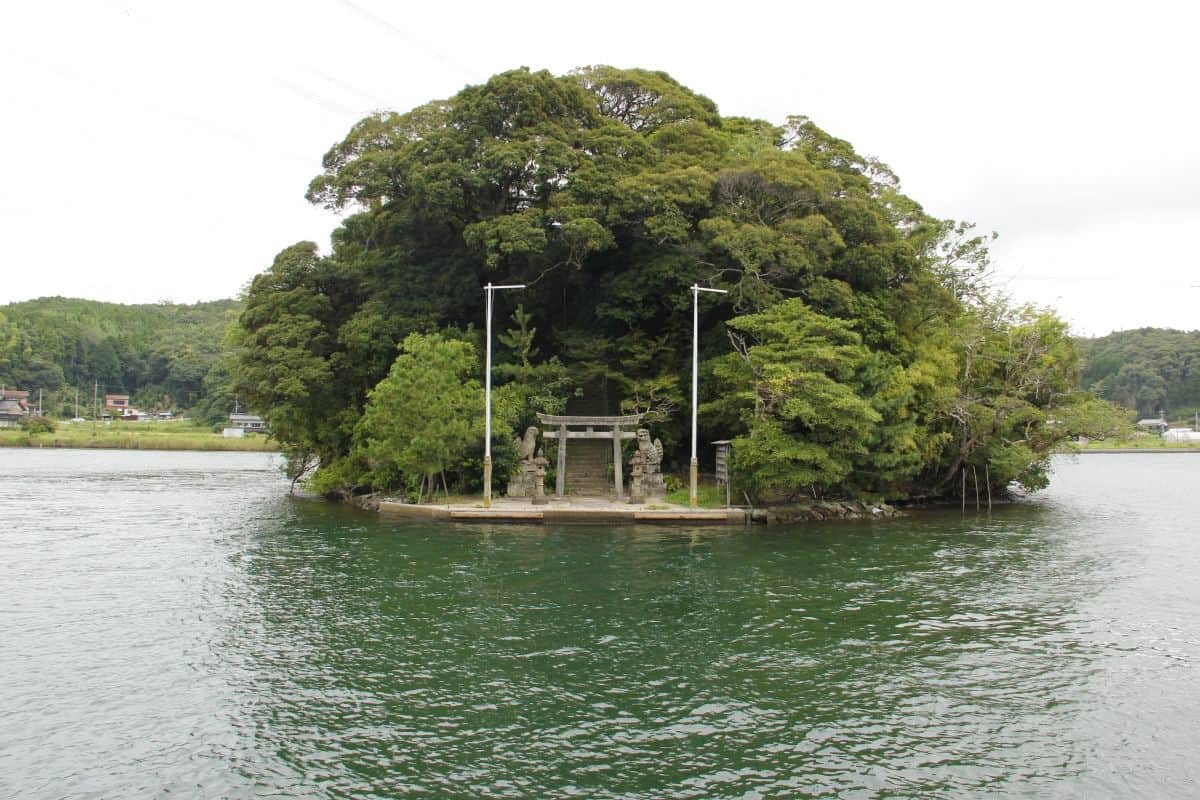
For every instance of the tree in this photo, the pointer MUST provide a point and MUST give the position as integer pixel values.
(805, 369)
(1094, 418)
(287, 358)
(1149, 369)
(69, 344)
(1139, 386)
(422, 418)
(1018, 370)
(8, 347)
(823, 411)
(865, 350)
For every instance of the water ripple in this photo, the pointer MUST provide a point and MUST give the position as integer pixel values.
(181, 629)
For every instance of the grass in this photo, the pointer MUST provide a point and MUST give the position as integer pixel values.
(706, 496)
(174, 435)
(1145, 442)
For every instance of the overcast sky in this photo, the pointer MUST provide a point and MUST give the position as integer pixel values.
(161, 150)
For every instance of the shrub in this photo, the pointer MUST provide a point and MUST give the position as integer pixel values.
(38, 425)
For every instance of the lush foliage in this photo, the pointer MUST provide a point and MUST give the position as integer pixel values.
(856, 352)
(1095, 419)
(425, 415)
(35, 424)
(1152, 370)
(1018, 373)
(166, 356)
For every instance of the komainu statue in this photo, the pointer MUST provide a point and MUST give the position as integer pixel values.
(527, 473)
(645, 467)
(527, 446)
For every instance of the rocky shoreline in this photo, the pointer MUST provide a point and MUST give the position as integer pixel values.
(823, 511)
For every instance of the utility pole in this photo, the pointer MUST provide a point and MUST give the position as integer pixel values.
(694, 468)
(489, 291)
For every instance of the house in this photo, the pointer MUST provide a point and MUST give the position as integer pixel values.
(247, 422)
(13, 412)
(1181, 435)
(1155, 425)
(14, 408)
(116, 404)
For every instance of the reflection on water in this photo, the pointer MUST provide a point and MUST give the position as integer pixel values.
(179, 626)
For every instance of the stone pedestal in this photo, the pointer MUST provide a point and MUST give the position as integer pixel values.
(523, 482)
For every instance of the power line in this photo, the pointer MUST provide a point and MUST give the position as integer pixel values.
(387, 25)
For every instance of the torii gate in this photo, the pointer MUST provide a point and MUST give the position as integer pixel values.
(614, 431)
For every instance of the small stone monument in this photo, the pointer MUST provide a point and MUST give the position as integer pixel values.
(637, 475)
(539, 482)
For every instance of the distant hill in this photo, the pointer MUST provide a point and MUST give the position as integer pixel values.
(164, 355)
(1151, 369)
(175, 356)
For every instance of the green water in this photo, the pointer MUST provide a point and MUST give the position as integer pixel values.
(174, 626)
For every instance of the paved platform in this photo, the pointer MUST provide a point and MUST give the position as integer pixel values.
(566, 510)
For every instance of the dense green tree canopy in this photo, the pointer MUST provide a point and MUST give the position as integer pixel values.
(424, 416)
(165, 355)
(1151, 370)
(855, 351)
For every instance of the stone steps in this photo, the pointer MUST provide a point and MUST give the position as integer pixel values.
(589, 468)
(589, 461)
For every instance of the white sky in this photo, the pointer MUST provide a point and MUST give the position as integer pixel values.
(161, 150)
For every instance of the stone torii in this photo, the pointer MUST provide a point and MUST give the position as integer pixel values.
(559, 427)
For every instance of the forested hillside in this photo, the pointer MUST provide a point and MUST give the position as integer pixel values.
(1152, 370)
(166, 356)
(856, 352)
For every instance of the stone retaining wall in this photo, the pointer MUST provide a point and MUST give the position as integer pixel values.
(823, 511)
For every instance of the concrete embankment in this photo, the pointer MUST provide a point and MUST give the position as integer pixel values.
(565, 511)
(600, 511)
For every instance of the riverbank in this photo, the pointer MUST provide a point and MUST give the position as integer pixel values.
(1140, 444)
(136, 436)
(1136, 450)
